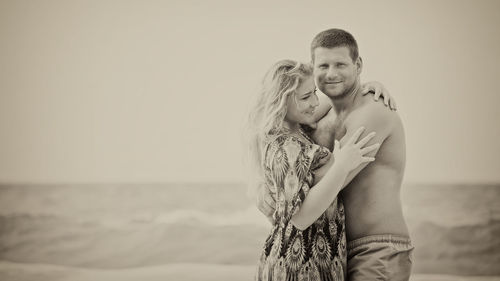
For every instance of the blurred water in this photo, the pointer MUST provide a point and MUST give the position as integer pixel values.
(456, 229)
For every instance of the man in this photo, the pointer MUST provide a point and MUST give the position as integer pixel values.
(379, 247)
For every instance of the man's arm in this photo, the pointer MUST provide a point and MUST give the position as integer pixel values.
(375, 118)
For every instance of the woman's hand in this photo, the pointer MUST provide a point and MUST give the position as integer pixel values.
(377, 89)
(325, 159)
(352, 153)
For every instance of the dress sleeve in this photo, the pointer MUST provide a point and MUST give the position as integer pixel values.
(288, 162)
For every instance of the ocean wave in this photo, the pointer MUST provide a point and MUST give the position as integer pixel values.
(247, 216)
(196, 236)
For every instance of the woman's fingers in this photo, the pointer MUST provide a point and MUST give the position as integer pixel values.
(370, 148)
(367, 159)
(365, 90)
(336, 146)
(392, 104)
(368, 88)
(354, 138)
(365, 140)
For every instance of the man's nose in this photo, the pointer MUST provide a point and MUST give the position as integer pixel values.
(331, 73)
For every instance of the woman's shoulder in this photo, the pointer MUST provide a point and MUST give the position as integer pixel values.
(282, 138)
(292, 143)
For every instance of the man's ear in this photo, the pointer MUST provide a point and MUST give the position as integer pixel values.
(359, 65)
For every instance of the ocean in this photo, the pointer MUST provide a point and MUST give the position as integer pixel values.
(78, 232)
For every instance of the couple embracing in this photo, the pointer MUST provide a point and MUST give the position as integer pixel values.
(329, 171)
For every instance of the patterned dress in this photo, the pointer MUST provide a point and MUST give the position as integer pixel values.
(289, 254)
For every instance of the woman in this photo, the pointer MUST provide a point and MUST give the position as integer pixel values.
(307, 241)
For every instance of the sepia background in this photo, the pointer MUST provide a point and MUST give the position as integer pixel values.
(121, 131)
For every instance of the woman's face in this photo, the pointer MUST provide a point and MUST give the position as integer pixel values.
(301, 104)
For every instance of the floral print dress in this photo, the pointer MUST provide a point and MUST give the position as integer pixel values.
(319, 251)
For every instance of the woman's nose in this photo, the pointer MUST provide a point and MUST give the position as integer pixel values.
(315, 101)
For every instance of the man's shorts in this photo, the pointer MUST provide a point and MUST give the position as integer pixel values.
(379, 257)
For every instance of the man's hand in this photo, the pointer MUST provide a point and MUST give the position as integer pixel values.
(266, 202)
(377, 89)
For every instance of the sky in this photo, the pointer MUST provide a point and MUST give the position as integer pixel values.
(158, 91)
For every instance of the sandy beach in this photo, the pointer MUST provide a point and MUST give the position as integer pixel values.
(178, 272)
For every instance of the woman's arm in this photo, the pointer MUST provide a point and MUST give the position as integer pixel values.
(373, 87)
(320, 197)
(322, 194)
(377, 89)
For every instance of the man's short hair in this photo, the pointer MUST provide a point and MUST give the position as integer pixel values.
(332, 38)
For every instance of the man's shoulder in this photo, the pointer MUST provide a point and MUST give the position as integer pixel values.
(373, 109)
(374, 116)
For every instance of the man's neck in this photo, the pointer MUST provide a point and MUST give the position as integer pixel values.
(348, 101)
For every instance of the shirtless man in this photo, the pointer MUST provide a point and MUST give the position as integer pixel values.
(379, 247)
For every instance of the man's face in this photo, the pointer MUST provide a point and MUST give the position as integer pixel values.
(335, 72)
